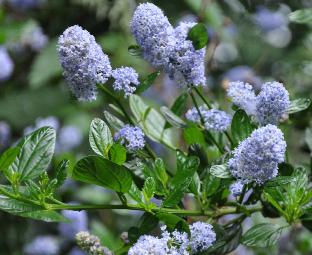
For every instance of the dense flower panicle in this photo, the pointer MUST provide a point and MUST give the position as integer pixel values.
(132, 137)
(216, 120)
(49, 121)
(6, 65)
(243, 96)
(83, 61)
(272, 102)
(78, 222)
(269, 20)
(147, 245)
(126, 80)
(174, 243)
(5, 134)
(257, 157)
(187, 65)
(69, 137)
(91, 244)
(43, 245)
(177, 242)
(202, 236)
(236, 188)
(153, 33)
(268, 107)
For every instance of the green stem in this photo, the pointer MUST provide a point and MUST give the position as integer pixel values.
(18, 197)
(218, 213)
(234, 210)
(110, 94)
(202, 97)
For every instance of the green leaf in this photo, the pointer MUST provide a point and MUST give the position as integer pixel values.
(173, 119)
(60, 173)
(39, 74)
(177, 193)
(179, 104)
(211, 185)
(220, 171)
(298, 105)
(8, 157)
(147, 82)
(186, 168)
(35, 154)
(118, 154)
(102, 172)
(24, 209)
(152, 122)
(170, 220)
(198, 34)
(135, 193)
(193, 135)
(241, 126)
(100, 137)
(113, 121)
(149, 188)
(231, 237)
(45, 215)
(262, 235)
(160, 170)
(303, 16)
(134, 50)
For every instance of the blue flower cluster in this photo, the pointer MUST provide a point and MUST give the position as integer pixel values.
(176, 243)
(5, 135)
(202, 236)
(257, 157)
(215, 120)
(154, 34)
(168, 48)
(236, 188)
(6, 64)
(269, 20)
(242, 95)
(126, 80)
(132, 137)
(272, 102)
(83, 61)
(34, 38)
(268, 107)
(47, 245)
(186, 64)
(78, 222)
(69, 137)
(24, 4)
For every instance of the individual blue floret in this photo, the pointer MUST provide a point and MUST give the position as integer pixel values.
(6, 64)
